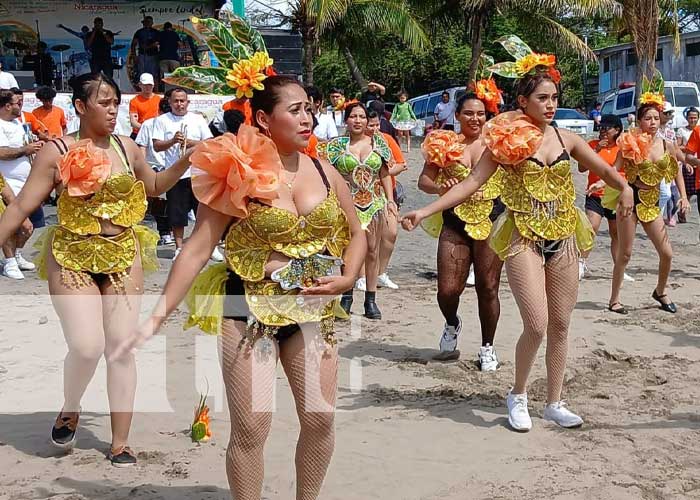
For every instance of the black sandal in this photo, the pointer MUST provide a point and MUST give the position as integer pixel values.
(670, 307)
(618, 310)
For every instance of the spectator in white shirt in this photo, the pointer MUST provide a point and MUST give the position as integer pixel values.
(326, 129)
(445, 113)
(15, 165)
(156, 160)
(172, 133)
(7, 80)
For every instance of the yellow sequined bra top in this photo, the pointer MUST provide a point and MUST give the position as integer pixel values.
(77, 243)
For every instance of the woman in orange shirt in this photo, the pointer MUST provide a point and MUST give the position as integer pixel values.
(607, 148)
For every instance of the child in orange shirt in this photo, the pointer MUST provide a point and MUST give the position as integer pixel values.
(52, 117)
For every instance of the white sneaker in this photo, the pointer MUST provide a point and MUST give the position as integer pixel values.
(582, 268)
(383, 280)
(11, 269)
(216, 255)
(518, 415)
(24, 264)
(361, 284)
(167, 239)
(627, 277)
(488, 359)
(471, 280)
(561, 415)
(448, 340)
(177, 252)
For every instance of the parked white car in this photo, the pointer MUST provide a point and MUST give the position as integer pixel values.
(572, 120)
(681, 95)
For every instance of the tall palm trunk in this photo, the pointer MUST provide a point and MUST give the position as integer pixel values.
(642, 17)
(479, 25)
(308, 36)
(352, 64)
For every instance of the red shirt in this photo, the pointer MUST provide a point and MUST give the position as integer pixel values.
(694, 147)
(607, 154)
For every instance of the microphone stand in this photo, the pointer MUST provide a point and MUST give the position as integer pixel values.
(38, 53)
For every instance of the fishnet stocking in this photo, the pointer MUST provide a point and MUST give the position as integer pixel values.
(312, 369)
(456, 251)
(249, 379)
(546, 296)
(453, 260)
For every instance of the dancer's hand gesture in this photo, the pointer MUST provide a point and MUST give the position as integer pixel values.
(626, 203)
(136, 338)
(411, 220)
(329, 285)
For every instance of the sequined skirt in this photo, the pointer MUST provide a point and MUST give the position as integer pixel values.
(82, 257)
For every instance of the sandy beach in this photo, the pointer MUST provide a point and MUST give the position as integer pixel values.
(407, 427)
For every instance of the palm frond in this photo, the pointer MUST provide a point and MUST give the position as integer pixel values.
(326, 13)
(558, 34)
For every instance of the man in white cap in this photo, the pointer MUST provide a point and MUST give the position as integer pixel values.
(144, 105)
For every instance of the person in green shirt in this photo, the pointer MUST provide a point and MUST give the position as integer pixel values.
(404, 119)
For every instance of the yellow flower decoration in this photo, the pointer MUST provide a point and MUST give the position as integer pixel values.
(532, 60)
(248, 74)
(652, 98)
(261, 61)
(245, 77)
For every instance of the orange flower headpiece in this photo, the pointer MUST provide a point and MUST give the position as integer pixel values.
(488, 92)
(635, 145)
(347, 104)
(244, 62)
(85, 168)
(443, 148)
(231, 170)
(200, 430)
(526, 61)
(512, 137)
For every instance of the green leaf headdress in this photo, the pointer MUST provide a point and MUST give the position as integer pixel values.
(243, 59)
(653, 90)
(526, 61)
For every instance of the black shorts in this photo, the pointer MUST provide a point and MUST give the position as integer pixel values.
(236, 307)
(180, 201)
(594, 204)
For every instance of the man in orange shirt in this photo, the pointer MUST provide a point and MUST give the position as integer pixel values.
(242, 105)
(692, 149)
(144, 105)
(53, 117)
(390, 232)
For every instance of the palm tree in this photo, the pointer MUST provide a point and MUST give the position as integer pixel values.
(348, 24)
(538, 15)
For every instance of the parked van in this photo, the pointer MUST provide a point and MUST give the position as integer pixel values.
(424, 105)
(680, 94)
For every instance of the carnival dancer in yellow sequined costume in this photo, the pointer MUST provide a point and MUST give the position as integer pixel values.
(290, 226)
(95, 258)
(647, 159)
(464, 229)
(541, 233)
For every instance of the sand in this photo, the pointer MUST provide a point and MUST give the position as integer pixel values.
(407, 427)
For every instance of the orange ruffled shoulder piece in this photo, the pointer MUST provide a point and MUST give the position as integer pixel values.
(443, 148)
(84, 168)
(635, 145)
(512, 137)
(230, 170)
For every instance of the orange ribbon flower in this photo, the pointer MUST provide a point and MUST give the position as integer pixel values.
(532, 60)
(85, 168)
(635, 145)
(512, 137)
(488, 92)
(235, 169)
(443, 148)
